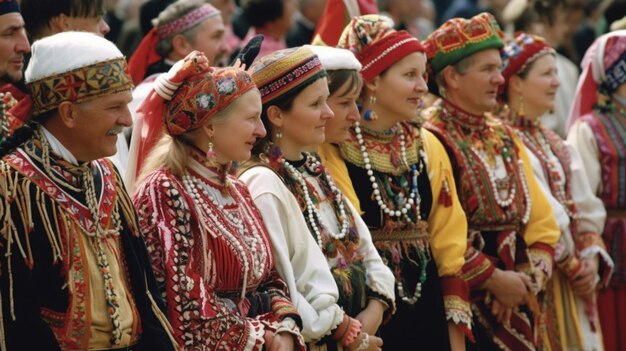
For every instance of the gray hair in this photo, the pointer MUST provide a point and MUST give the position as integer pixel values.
(171, 13)
(460, 67)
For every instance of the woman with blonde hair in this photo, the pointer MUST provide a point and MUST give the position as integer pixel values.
(208, 245)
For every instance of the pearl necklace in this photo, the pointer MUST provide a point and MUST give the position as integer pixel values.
(414, 197)
(313, 214)
(192, 185)
(493, 179)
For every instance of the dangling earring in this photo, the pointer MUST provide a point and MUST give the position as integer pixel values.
(520, 110)
(279, 134)
(370, 114)
(211, 155)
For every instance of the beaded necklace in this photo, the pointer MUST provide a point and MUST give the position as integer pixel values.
(536, 140)
(98, 236)
(246, 227)
(484, 145)
(403, 207)
(313, 217)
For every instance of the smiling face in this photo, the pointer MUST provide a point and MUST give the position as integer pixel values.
(538, 86)
(304, 124)
(234, 136)
(96, 124)
(400, 88)
(13, 46)
(476, 89)
(343, 104)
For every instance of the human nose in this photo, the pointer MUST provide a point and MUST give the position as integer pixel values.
(421, 86)
(327, 112)
(103, 27)
(498, 79)
(22, 46)
(125, 118)
(354, 115)
(259, 129)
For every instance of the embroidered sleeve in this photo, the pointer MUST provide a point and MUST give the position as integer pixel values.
(590, 244)
(201, 320)
(540, 266)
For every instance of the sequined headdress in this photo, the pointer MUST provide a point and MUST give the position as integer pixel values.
(75, 67)
(459, 38)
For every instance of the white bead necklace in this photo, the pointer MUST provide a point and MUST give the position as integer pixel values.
(414, 197)
(493, 180)
(191, 185)
(313, 214)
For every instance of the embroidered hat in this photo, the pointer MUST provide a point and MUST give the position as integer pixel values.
(146, 53)
(282, 71)
(459, 38)
(76, 67)
(335, 58)
(520, 52)
(376, 44)
(202, 96)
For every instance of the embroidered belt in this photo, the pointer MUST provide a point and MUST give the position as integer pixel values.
(398, 235)
(616, 213)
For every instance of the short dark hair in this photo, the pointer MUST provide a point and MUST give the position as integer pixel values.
(38, 13)
(260, 12)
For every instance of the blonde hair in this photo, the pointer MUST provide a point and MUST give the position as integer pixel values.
(171, 152)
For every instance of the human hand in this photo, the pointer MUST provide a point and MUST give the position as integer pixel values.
(585, 282)
(509, 287)
(366, 342)
(501, 312)
(372, 316)
(282, 341)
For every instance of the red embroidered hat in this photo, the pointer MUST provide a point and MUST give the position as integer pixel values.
(520, 52)
(9, 6)
(202, 96)
(459, 38)
(376, 44)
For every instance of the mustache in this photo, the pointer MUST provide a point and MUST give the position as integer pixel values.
(115, 130)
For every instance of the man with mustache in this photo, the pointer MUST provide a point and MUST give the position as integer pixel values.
(511, 228)
(74, 271)
(13, 46)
